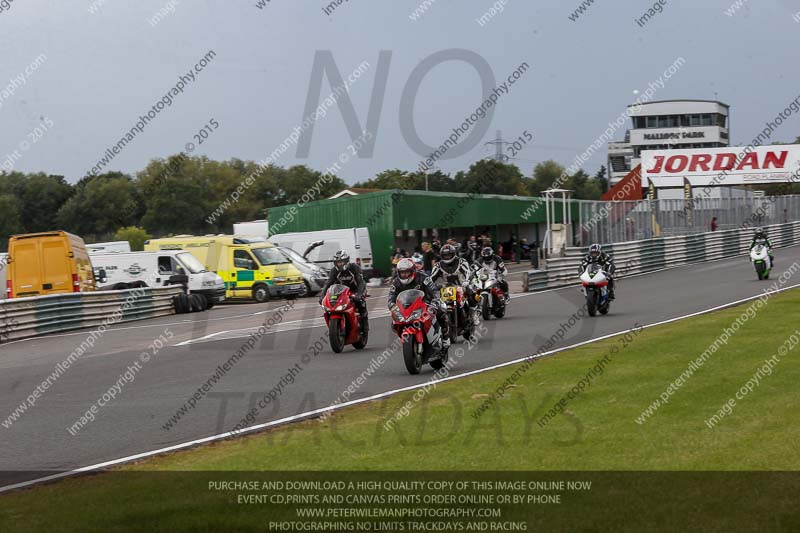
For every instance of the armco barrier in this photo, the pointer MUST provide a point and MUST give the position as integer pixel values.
(22, 318)
(636, 257)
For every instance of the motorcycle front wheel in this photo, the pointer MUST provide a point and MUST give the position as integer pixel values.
(411, 358)
(486, 311)
(591, 304)
(336, 335)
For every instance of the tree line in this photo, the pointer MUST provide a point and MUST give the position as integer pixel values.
(177, 194)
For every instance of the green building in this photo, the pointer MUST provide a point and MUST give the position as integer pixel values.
(404, 219)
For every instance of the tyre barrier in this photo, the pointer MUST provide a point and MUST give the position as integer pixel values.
(637, 257)
(22, 318)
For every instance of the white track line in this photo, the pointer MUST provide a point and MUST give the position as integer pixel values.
(336, 407)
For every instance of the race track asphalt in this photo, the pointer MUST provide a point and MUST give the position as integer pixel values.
(39, 441)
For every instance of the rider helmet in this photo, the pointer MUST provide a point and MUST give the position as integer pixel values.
(341, 260)
(487, 253)
(406, 271)
(448, 254)
(417, 260)
(595, 250)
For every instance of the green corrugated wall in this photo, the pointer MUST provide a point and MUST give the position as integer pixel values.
(383, 212)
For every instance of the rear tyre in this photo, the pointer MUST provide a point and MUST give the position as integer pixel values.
(261, 294)
(501, 311)
(411, 358)
(440, 363)
(604, 309)
(336, 335)
(361, 343)
(453, 327)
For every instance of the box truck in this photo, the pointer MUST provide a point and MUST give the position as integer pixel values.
(255, 228)
(157, 269)
(53, 262)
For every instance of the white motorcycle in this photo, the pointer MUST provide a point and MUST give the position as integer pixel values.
(492, 300)
(595, 288)
(759, 256)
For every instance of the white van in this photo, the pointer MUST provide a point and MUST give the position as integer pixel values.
(3, 276)
(154, 269)
(116, 246)
(319, 246)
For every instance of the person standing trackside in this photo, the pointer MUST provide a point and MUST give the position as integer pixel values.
(428, 258)
(714, 224)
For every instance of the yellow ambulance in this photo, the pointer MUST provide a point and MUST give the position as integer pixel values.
(250, 268)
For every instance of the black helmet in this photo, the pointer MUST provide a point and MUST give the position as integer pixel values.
(341, 260)
(487, 253)
(473, 245)
(595, 250)
(760, 233)
(448, 254)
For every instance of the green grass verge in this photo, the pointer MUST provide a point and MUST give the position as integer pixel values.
(596, 432)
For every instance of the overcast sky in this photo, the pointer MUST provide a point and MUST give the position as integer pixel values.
(105, 69)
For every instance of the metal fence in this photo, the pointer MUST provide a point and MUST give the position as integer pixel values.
(612, 222)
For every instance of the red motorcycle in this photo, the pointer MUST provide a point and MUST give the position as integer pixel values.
(342, 319)
(413, 321)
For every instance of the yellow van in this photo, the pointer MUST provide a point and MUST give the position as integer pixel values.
(52, 262)
(250, 268)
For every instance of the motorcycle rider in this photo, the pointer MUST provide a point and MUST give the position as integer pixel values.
(596, 255)
(346, 273)
(472, 251)
(760, 237)
(454, 270)
(493, 262)
(408, 278)
(418, 260)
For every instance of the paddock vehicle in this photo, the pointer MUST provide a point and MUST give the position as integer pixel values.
(250, 269)
(492, 299)
(342, 319)
(105, 247)
(414, 321)
(459, 313)
(53, 262)
(319, 246)
(159, 269)
(3, 265)
(595, 288)
(314, 276)
(759, 255)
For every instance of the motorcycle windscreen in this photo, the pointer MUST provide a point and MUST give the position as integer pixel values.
(593, 269)
(336, 291)
(407, 298)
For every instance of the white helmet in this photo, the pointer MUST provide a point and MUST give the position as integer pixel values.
(406, 271)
